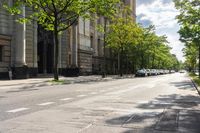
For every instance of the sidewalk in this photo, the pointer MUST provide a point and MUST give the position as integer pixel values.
(39, 82)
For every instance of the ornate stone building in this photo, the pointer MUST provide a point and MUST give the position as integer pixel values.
(27, 49)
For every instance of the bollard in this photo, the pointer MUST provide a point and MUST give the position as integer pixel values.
(10, 75)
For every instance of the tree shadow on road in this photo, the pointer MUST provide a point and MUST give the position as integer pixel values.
(24, 89)
(153, 112)
(184, 85)
(168, 101)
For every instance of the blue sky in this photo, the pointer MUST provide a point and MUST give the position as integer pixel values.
(161, 13)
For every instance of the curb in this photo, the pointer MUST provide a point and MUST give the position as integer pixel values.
(67, 82)
(195, 86)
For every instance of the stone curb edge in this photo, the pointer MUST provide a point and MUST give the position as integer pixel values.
(195, 86)
(47, 83)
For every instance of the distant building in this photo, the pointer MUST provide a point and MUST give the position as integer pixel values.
(27, 49)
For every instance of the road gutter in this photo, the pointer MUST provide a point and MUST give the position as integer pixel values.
(195, 86)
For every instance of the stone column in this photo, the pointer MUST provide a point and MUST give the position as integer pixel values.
(60, 52)
(20, 48)
(20, 67)
(35, 34)
(95, 40)
(45, 57)
(74, 46)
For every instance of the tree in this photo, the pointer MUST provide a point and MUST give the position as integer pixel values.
(152, 50)
(123, 34)
(191, 53)
(189, 18)
(59, 15)
(108, 15)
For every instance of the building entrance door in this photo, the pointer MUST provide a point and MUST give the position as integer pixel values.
(45, 51)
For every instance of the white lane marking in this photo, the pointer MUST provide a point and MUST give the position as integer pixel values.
(44, 104)
(124, 90)
(88, 126)
(93, 93)
(17, 110)
(142, 102)
(65, 99)
(81, 95)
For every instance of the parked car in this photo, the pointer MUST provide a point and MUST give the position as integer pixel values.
(162, 71)
(158, 71)
(167, 71)
(141, 73)
(154, 72)
(182, 71)
(148, 72)
(172, 71)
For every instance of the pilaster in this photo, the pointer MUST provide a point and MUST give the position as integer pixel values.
(20, 47)
(74, 46)
(20, 69)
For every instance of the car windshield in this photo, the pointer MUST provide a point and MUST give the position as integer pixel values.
(140, 71)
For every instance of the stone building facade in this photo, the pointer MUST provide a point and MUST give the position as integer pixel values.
(27, 49)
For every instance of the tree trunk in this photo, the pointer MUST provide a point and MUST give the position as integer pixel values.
(127, 69)
(56, 53)
(120, 64)
(153, 60)
(159, 62)
(134, 67)
(199, 60)
(142, 62)
(104, 48)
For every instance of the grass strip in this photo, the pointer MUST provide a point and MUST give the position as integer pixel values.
(58, 82)
(195, 78)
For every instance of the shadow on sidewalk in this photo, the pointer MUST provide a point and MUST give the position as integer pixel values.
(107, 79)
(24, 89)
(184, 85)
(17, 84)
(27, 87)
(153, 120)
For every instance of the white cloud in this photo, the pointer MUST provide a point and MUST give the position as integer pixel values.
(162, 14)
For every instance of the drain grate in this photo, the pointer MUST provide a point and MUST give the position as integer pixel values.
(168, 121)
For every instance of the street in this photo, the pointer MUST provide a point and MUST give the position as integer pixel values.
(165, 103)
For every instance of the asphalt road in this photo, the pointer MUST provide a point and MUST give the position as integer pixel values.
(151, 104)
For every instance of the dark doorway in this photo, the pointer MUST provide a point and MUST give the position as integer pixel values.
(45, 51)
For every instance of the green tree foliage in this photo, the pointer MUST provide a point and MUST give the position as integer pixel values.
(138, 47)
(153, 51)
(191, 54)
(123, 34)
(189, 18)
(59, 15)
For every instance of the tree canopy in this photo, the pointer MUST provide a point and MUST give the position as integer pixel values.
(139, 47)
(189, 19)
(59, 15)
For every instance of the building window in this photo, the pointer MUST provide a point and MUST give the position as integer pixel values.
(70, 60)
(84, 26)
(99, 47)
(99, 19)
(92, 21)
(91, 41)
(1, 53)
(70, 39)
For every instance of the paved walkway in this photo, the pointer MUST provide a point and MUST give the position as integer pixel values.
(39, 82)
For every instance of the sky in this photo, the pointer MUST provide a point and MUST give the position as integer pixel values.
(161, 13)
